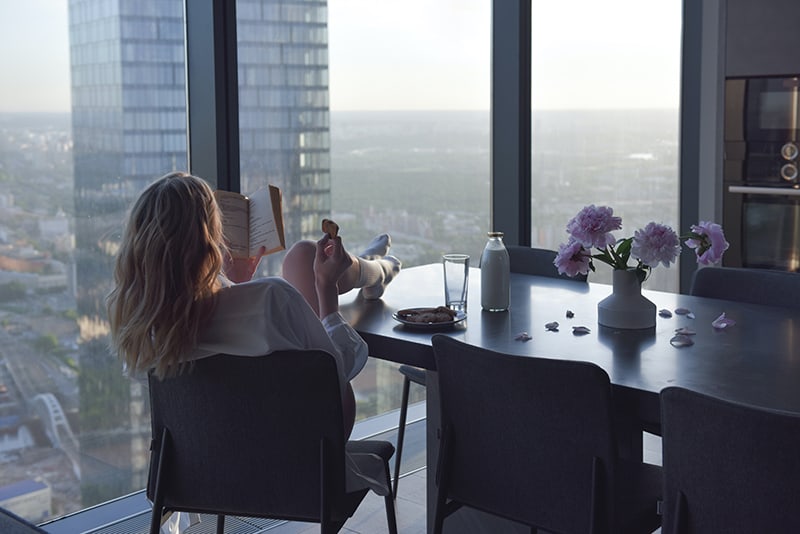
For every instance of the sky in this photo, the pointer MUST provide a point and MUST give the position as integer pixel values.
(416, 54)
(34, 55)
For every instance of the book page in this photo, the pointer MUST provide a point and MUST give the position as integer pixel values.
(265, 225)
(235, 217)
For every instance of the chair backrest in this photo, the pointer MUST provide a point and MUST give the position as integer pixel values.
(527, 438)
(755, 286)
(728, 467)
(245, 434)
(537, 261)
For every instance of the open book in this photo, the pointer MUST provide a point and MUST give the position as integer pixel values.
(252, 221)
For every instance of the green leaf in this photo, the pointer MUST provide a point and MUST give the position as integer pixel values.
(624, 250)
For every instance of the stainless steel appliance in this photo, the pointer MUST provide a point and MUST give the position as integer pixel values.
(761, 196)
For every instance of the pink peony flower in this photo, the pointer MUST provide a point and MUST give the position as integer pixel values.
(656, 243)
(572, 258)
(592, 226)
(708, 242)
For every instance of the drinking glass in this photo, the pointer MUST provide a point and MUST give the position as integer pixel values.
(456, 281)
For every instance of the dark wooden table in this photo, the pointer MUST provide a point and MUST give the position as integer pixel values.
(756, 361)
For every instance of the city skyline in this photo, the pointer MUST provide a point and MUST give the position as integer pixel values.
(607, 58)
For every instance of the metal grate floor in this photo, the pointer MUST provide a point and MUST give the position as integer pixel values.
(140, 524)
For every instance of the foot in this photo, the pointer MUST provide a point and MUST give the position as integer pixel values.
(377, 248)
(390, 266)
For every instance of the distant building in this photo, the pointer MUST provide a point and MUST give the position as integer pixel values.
(28, 498)
(54, 226)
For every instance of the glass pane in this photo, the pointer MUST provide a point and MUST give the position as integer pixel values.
(93, 109)
(410, 136)
(357, 121)
(605, 92)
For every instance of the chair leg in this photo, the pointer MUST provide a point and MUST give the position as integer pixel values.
(158, 497)
(391, 516)
(442, 480)
(155, 520)
(401, 432)
(220, 524)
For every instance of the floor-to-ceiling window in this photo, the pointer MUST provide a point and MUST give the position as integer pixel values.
(409, 137)
(374, 113)
(605, 79)
(92, 109)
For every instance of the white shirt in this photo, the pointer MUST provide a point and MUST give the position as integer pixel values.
(268, 314)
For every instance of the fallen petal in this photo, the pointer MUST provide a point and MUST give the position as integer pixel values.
(553, 327)
(682, 311)
(665, 313)
(690, 315)
(685, 331)
(681, 341)
(570, 314)
(523, 336)
(580, 330)
(722, 322)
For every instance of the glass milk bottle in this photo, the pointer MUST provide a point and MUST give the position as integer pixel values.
(495, 274)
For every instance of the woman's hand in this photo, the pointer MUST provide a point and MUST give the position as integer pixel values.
(239, 270)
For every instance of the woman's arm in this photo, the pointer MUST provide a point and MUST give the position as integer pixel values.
(239, 270)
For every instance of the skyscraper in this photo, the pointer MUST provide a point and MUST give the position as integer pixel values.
(129, 127)
(283, 101)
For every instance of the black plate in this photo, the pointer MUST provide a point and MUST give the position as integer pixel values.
(460, 316)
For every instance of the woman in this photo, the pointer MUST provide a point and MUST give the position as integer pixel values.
(178, 296)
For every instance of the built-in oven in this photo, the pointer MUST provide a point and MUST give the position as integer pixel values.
(761, 196)
(762, 225)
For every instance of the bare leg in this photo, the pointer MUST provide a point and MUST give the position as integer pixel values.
(298, 270)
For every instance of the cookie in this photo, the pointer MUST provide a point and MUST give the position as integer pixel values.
(330, 228)
(440, 314)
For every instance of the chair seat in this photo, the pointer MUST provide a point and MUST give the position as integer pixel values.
(384, 449)
(415, 374)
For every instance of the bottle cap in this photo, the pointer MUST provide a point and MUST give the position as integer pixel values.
(496, 234)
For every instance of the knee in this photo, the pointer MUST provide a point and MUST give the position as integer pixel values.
(301, 253)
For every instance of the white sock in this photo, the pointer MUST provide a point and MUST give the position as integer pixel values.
(377, 248)
(376, 275)
(371, 272)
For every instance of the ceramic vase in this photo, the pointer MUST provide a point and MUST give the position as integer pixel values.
(625, 307)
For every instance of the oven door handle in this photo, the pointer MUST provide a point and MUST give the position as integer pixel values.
(772, 191)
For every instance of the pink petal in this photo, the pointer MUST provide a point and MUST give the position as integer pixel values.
(722, 322)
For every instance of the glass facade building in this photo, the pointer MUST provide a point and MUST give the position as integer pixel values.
(129, 125)
(284, 124)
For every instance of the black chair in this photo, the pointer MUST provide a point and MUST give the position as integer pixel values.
(728, 467)
(11, 523)
(523, 260)
(755, 286)
(531, 440)
(255, 436)
(537, 261)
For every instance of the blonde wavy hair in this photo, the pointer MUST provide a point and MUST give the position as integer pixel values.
(165, 274)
